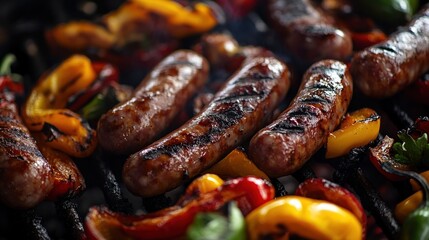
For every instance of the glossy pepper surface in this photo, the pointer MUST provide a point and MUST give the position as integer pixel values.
(135, 21)
(323, 189)
(45, 112)
(304, 217)
(236, 164)
(357, 129)
(170, 223)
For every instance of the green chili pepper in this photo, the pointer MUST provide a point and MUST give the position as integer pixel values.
(416, 225)
(390, 12)
(215, 226)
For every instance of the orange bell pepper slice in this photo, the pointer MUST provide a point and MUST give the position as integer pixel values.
(45, 112)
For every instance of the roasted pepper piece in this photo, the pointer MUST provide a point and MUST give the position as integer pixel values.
(236, 164)
(408, 205)
(68, 180)
(391, 12)
(134, 22)
(415, 225)
(381, 154)
(249, 192)
(226, 224)
(304, 217)
(357, 129)
(44, 109)
(7, 82)
(106, 76)
(322, 189)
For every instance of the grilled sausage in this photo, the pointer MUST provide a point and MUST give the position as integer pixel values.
(134, 124)
(308, 34)
(25, 175)
(237, 111)
(286, 144)
(388, 67)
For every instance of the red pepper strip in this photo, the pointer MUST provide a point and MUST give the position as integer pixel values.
(7, 84)
(68, 181)
(322, 189)
(106, 76)
(421, 125)
(381, 154)
(170, 223)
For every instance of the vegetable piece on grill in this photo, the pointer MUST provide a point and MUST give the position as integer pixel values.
(322, 189)
(226, 224)
(172, 222)
(391, 12)
(46, 109)
(415, 225)
(139, 33)
(236, 164)
(357, 129)
(304, 217)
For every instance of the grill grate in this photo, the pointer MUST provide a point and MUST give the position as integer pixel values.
(104, 186)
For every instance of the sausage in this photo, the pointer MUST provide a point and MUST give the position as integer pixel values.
(132, 125)
(25, 175)
(386, 68)
(283, 146)
(238, 110)
(308, 34)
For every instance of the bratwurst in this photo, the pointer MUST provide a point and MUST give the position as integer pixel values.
(386, 68)
(308, 33)
(285, 145)
(132, 125)
(238, 110)
(26, 177)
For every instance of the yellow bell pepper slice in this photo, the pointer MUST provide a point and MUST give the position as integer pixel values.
(357, 129)
(206, 183)
(131, 23)
(304, 217)
(236, 164)
(44, 110)
(408, 205)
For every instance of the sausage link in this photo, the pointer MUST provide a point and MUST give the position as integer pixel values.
(386, 68)
(25, 175)
(308, 34)
(238, 110)
(134, 124)
(285, 145)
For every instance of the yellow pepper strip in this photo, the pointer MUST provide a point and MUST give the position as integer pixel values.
(407, 206)
(304, 217)
(415, 185)
(206, 183)
(44, 110)
(236, 164)
(357, 129)
(132, 22)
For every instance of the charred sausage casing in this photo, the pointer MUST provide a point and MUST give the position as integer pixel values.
(238, 110)
(386, 68)
(308, 34)
(134, 124)
(285, 145)
(25, 175)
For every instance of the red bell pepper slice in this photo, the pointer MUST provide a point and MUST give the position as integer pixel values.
(172, 222)
(106, 73)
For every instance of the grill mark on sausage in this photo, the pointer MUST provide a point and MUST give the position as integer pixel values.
(219, 122)
(14, 131)
(14, 146)
(287, 127)
(303, 110)
(316, 98)
(387, 48)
